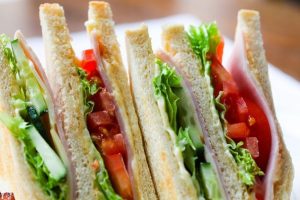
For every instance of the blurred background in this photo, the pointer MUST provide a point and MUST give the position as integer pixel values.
(280, 20)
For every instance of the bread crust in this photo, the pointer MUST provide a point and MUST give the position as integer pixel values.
(249, 24)
(68, 99)
(14, 166)
(171, 181)
(100, 23)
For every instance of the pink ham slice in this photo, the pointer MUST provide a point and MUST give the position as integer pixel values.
(53, 117)
(240, 71)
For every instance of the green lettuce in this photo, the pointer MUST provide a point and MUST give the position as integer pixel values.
(168, 84)
(248, 168)
(164, 85)
(55, 188)
(204, 41)
(88, 89)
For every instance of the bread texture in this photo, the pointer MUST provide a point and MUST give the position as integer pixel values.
(14, 167)
(176, 44)
(249, 24)
(68, 99)
(171, 180)
(101, 24)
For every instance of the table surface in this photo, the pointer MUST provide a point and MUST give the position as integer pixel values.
(280, 20)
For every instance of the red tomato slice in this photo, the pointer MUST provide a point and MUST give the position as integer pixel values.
(103, 101)
(219, 51)
(221, 79)
(242, 109)
(114, 145)
(251, 143)
(97, 119)
(107, 102)
(89, 63)
(119, 175)
(238, 130)
(261, 130)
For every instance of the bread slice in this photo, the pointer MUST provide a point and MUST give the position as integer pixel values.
(100, 23)
(14, 166)
(171, 179)
(249, 24)
(176, 44)
(68, 99)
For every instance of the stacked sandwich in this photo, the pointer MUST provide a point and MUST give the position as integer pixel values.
(182, 127)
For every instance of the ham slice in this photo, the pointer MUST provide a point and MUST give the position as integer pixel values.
(238, 66)
(60, 143)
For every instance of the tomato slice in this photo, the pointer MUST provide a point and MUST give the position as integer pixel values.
(238, 130)
(251, 143)
(261, 130)
(114, 145)
(221, 79)
(219, 50)
(97, 119)
(89, 63)
(118, 175)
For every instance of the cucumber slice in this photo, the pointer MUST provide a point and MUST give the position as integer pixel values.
(40, 124)
(28, 81)
(210, 182)
(52, 161)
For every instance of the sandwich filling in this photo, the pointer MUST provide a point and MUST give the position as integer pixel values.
(246, 127)
(182, 124)
(105, 130)
(31, 123)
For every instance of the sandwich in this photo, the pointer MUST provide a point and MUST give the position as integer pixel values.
(211, 132)
(95, 108)
(33, 159)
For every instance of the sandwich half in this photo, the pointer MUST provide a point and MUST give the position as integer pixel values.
(95, 108)
(180, 158)
(33, 160)
(236, 119)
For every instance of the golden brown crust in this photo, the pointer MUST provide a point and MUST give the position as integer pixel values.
(100, 23)
(249, 24)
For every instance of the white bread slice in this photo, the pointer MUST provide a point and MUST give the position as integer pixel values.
(171, 181)
(249, 24)
(14, 166)
(176, 44)
(68, 100)
(100, 23)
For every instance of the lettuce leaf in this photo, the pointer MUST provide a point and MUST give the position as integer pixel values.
(164, 85)
(204, 41)
(248, 168)
(88, 89)
(56, 189)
